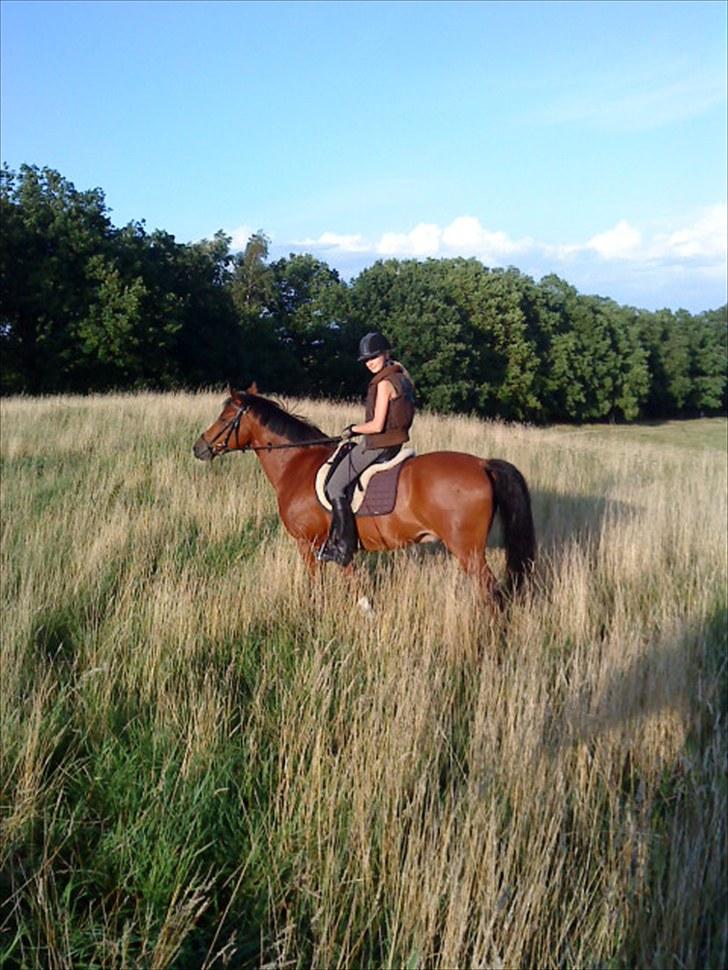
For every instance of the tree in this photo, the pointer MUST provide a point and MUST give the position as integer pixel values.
(664, 337)
(86, 306)
(630, 382)
(252, 285)
(51, 233)
(306, 309)
(561, 391)
(505, 322)
(252, 289)
(160, 314)
(708, 360)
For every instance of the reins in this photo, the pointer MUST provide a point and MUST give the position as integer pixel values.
(303, 444)
(233, 426)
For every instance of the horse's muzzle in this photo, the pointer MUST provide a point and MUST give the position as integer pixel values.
(202, 450)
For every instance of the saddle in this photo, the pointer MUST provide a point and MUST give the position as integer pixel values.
(375, 492)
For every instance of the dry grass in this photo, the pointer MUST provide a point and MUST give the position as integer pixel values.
(207, 761)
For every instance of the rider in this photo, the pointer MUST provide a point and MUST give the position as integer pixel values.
(389, 413)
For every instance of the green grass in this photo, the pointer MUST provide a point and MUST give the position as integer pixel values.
(209, 761)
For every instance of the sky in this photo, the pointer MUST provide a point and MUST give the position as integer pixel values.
(583, 139)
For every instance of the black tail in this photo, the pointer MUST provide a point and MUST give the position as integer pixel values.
(514, 504)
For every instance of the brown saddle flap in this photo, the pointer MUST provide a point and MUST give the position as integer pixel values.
(381, 493)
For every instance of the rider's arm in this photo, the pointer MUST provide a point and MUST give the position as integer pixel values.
(385, 393)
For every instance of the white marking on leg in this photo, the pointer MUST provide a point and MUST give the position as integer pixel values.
(365, 606)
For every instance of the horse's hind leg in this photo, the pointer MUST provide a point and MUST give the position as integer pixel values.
(473, 562)
(476, 565)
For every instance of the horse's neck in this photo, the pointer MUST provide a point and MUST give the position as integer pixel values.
(277, 464)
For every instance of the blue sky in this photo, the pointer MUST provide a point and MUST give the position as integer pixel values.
(586, 139)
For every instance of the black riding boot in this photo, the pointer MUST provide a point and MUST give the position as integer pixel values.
(341, 543)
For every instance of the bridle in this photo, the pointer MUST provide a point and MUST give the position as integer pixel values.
(233, 428)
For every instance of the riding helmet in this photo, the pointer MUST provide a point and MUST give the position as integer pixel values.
(372, 345)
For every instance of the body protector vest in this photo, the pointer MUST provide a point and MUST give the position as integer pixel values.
(401, 410)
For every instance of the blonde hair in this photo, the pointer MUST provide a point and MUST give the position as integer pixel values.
(404, 369)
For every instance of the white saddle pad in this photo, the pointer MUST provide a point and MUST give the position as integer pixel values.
(364, 479)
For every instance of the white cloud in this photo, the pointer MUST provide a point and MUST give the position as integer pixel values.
(705, 238)
(625, 257)
(702, 240)
(423, 240)
(621, 242)
(465, 232)
(466, 236)
(352, 243)
(334, 241)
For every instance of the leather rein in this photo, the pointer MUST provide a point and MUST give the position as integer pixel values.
(233, 427)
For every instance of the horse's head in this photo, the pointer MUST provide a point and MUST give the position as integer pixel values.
(231, 431)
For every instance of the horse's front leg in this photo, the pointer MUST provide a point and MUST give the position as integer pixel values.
(307, 551)
(352, 577)
(356, 589)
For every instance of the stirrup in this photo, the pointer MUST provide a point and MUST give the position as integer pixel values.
(338, 551)
(327, 553)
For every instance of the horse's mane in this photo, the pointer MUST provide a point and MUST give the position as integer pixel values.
(281, 421)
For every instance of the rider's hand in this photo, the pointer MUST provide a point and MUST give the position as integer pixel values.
(348, 432)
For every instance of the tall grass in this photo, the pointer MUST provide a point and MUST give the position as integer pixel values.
(208, 761)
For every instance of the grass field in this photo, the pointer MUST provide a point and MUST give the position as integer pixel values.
(698, 433)
(208, 762)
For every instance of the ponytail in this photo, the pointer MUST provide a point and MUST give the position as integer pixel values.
(404, 370)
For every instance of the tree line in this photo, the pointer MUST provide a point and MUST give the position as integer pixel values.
(86, 306)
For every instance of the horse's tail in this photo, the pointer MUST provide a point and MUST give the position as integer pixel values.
(513, 502)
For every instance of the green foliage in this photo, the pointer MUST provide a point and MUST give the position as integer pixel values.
(51, 235)
(665, 338)
(708, 354)
(86, 306)
(305, 308)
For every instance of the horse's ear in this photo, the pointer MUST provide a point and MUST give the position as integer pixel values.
(253, 389)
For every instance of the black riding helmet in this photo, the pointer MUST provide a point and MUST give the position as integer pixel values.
(372, 345)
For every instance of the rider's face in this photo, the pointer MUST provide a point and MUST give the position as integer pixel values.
(376, 363)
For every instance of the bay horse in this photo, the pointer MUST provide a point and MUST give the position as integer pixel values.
(444, 495)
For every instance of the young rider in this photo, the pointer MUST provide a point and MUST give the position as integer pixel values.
(388, 417)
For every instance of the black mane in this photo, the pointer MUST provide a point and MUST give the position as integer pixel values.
(280, 421)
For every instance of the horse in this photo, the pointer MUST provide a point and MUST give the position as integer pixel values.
(445, 496)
